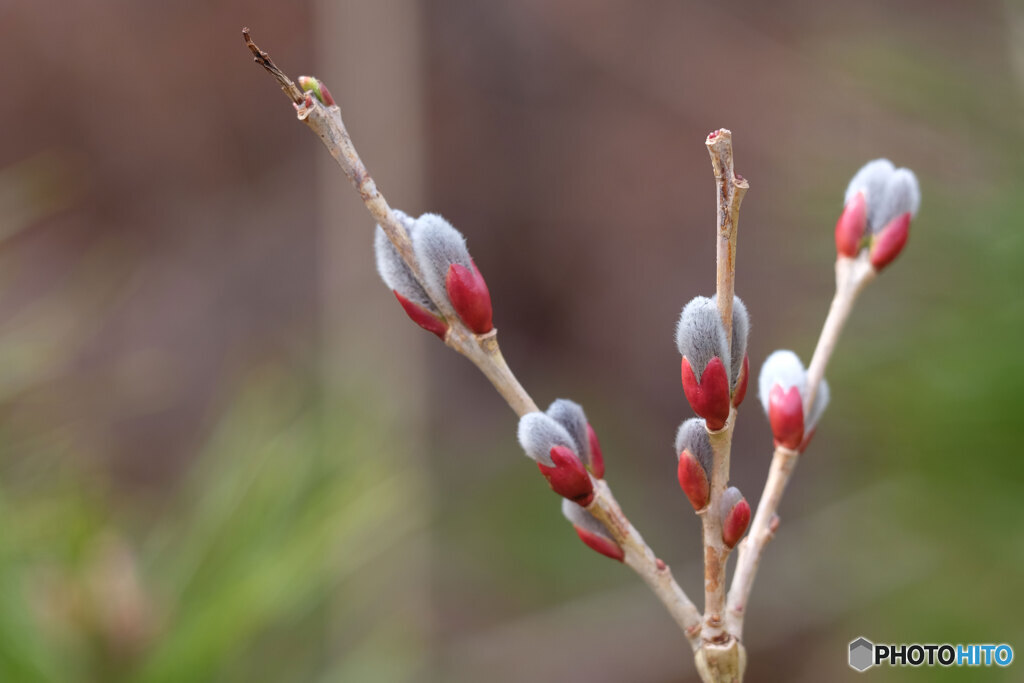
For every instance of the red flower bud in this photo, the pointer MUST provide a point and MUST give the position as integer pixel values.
(888, 243)
(735, 517)
(694, 480)
(326, 95)
(709, 398)
(423, 317)
(605, 546)
(852, 224)
(596, 459)
(741, 384)
(786, 415)
(568, 478)
(591, 531)
(470, 297)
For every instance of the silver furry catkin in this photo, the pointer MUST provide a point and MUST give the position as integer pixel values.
(692, 436)
(437, 246)
(735, 513)
(730, 497)
(889, 192)
(902, 195)
(740, 333)
(785, 368)
(539, 432)
(583, 519)
(570, 415)
(392, 269)
(700, 335)
(591, 531)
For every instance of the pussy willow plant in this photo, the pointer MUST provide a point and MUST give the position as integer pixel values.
(426, 264)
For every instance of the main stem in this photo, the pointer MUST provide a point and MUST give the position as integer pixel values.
(721, 658)
(716, 554)
(731, 188)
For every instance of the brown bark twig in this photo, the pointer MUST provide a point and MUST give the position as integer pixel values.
(731, 188)
(721, 657)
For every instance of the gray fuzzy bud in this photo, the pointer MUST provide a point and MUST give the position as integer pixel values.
(740, 333)
(782, 367)
(437, 246)
(889, 192)
(820, 403)
(578, 516)
(693, 437)
(785, 368)
(730, 497)
(538, 433)
(393, 271)
(570, 415)
(871, 180)
(700, 335)
(902, 195)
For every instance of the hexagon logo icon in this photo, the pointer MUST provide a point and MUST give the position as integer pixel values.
(862, 654)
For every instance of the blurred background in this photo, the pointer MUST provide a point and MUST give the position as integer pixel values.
(226, 455)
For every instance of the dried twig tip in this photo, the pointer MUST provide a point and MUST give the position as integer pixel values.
(718, 136)
(264, 60)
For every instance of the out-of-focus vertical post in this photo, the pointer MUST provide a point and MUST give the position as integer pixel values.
(370, 55)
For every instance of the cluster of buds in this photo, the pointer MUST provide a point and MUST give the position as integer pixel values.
(565, 448)
(782, 388)
(693, 444)
(714, 373)
(880, 201)
(450, 278)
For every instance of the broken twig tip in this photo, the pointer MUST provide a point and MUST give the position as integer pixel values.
(264, 60)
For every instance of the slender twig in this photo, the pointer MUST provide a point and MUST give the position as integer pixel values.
(482, 350)
(852, 275)
(716, 553)
(641, 559)
(721, 657)
(731, 188)
(293, 91)
(761, 530)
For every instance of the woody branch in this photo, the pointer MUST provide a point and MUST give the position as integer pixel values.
(323, 117)
(871, 232)
(720, 658)
(852, 275)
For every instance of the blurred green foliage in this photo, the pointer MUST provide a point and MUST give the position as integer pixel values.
(229, 577)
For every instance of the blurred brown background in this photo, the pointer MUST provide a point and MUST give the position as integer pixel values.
(209, 399)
